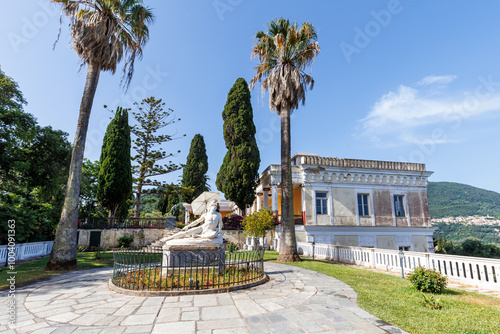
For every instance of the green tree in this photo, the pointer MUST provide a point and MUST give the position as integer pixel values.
(237, 177)
(171, 199)
(33, 168)
(114, 183)
(88, 189)
(150, 118)
(103, 32)
(195, 170)
(284, 51)
(16, 128)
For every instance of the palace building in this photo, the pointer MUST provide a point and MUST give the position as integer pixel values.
(351, 202)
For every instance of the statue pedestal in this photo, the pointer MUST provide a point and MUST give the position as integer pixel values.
(177, 257)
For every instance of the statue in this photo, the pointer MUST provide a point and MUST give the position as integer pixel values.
(209, 233)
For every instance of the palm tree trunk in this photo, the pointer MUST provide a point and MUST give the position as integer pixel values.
(63, 255)
(288, 243)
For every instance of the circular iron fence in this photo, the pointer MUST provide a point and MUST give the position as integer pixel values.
(186, 272)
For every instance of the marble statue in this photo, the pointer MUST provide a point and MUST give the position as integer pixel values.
(195, 234)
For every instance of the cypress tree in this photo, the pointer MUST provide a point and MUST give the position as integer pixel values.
(114, 182)
(237, 177)
(194, 173)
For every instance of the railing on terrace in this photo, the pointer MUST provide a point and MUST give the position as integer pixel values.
(475, 271)
(25, 251)
(101, 223)
(153, 270)
(299, 220)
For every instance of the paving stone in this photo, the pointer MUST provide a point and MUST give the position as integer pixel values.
(258, 329)
(139, 319)
(275, 317)
(239, 330)
(190, 316)
(282, 326)
(46, 330)
(225, 299)
(139, 329)
(65, 330)
(219, 312)
(169, 315)
(217, 324)
(186, 298)
(249, 307)
(185, 327)
(148, 309)
(271, 306)
(63, 317)
(256, 319)
(171, 300)
(125, 310)
(113, 330)
(88, 319)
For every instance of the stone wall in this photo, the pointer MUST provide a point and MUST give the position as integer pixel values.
(141, 237)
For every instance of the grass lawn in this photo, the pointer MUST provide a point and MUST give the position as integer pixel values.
(35, 269)
(397, 302)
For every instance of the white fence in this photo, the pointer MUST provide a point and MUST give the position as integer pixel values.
(476, 271)
(25, 251)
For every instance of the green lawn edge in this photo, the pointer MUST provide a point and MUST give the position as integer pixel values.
(33, 270)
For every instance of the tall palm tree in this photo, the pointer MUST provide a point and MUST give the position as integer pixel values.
(104, 32)
(284, 51)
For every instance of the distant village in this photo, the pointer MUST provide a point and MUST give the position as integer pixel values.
(471, 220)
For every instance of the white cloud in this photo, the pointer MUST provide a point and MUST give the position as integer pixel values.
(436, 80)
(409, 115)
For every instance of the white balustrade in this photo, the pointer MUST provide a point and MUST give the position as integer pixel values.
(26, 251)
(480, 272)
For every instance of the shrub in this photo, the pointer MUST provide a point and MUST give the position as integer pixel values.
(231, 247)
(256, 224)
(431, 302)
(232, 222)
(427, 280)
(124, 242)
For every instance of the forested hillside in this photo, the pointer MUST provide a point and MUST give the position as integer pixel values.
(459, 232)
(448, 199)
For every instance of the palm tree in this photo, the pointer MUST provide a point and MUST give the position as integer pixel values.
(104, 32)
(284, 51)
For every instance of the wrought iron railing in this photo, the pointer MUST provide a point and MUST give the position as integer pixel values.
(100, 223)
(154, 270)
(298, 219)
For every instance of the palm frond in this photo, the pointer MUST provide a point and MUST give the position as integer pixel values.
(105, 32)
(284, 51)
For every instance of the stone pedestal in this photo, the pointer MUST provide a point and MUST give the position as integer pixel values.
(181, 256)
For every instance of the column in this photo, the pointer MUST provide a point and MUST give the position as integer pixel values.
(265, 198)
(274, 198)
(258, 202)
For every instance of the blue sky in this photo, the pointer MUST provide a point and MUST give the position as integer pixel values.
(400, 80)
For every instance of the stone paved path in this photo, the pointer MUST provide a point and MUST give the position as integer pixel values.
(295, 300)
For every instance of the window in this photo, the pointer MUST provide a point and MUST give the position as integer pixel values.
(321, 208)
(404, 248)
(399, 208)
(363, 205)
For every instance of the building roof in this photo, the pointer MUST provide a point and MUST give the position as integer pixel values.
(308, 159)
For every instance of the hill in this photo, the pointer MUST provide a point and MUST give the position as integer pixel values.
(449, 199)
